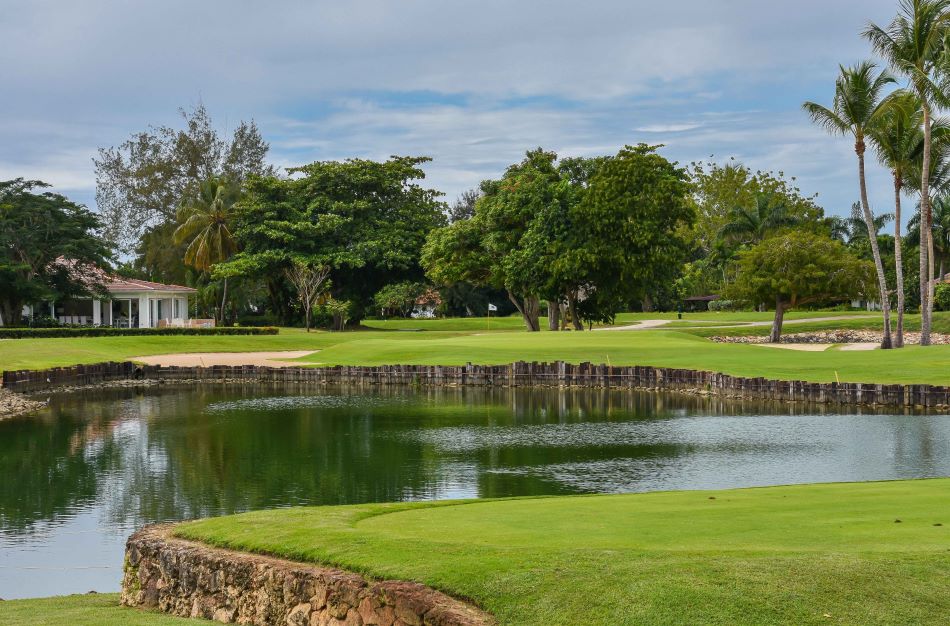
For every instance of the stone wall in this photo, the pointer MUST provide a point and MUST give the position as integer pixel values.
(557, 374)
(189, 579)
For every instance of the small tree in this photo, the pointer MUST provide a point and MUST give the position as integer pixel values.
(798, 268)
(399, 297)
(340, 310)
(310, 283)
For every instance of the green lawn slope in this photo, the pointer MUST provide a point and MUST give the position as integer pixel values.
(459, 341)
(861, 553)
(83, 610)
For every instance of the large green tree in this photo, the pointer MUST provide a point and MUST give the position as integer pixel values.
(141, 183)
(50, 248)
(731, 193)
(857, 107)
(506, 243)
(366, 220)
(629, 229)
(797, 268)
(914, 45)
(520, 236)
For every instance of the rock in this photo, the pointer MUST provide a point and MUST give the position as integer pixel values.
(299, 615)
(191, 580)
(833, 336)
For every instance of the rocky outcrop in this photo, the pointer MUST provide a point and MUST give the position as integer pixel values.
(13, 404)
(833, 336)
(190, 579)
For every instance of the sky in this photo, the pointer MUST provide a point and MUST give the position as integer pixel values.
(470, 84)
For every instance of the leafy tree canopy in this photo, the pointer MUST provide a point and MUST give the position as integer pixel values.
(629, 226)
(37, 228)
(141, 183)
(366, 220)
(797, 268)
(718, 191)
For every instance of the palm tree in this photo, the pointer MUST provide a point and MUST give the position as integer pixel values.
(839, 228)
(203, 223)
(857, 229)
(899, 143)
(856, 109)
(913, 45)
(750, 225)
(938, 185)
(939, 231)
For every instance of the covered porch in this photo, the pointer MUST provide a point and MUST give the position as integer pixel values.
(146, 310)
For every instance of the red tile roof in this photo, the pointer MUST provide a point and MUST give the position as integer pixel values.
(117, 284)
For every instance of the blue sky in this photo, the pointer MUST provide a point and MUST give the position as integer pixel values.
(471, 84)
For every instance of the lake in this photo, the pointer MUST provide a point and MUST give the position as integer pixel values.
(84, 473)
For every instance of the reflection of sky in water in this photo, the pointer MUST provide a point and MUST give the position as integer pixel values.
(94, 467)
(715, 452)
(279, 403)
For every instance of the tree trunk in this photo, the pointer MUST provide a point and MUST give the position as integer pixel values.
(224, 300)
(306, 315)
(647, 304)
(554, 311)
(925, 306)
(572, 305)
(931, 280)
(776, 335)
(529, 309)
(532, 311)
(12, 313)
(872, 236)
(898, 262)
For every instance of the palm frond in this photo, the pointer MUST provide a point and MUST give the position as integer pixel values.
(826, 118)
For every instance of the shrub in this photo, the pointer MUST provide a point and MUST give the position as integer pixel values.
(724, 305)
(93, 331)
(942, 297)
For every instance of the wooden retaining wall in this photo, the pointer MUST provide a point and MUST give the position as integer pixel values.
(520, 374)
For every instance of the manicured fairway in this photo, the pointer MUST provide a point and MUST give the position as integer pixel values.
(659, 348)
(85, 610)
(860, 553)
(451, 342)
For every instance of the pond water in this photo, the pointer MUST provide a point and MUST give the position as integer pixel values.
(81, 475)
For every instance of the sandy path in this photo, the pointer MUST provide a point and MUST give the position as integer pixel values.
(206, 359)
(802, 347)
(648, 324)
(859, 346)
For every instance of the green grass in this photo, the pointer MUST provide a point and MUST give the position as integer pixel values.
(84, 610)
(42, 353)
(459, 341)
(808, 554)
(659, 348)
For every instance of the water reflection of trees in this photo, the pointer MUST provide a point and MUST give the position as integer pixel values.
(159, 454)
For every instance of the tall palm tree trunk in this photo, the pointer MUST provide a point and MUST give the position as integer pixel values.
(224, 299)
(925, 305)
(898, 262)
(931, 279)
(872, 236)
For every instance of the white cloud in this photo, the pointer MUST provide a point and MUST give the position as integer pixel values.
(471, 84)
(666, 128)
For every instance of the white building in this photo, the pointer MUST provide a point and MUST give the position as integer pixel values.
(131, 304)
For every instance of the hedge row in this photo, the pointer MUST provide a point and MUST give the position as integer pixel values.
(106, 331)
